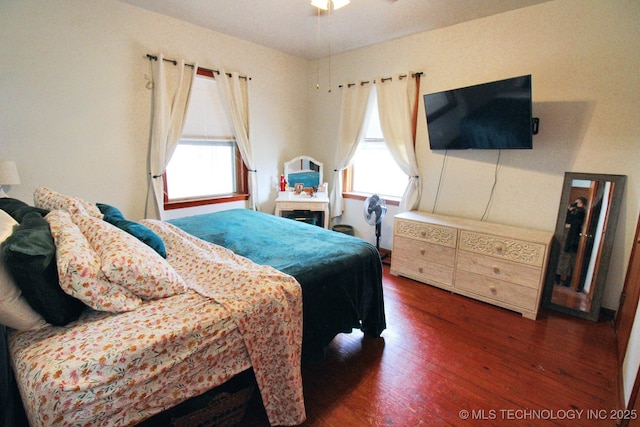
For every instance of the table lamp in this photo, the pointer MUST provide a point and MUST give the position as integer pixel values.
(8, 175)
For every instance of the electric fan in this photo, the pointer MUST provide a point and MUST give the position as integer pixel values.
(374, 210)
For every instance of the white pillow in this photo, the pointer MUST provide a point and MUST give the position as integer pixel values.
(15, 311)
(6, 225)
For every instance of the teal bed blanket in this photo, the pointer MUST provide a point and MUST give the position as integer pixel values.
(340, 275)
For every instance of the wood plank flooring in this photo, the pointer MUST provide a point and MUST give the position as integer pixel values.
(447, 360)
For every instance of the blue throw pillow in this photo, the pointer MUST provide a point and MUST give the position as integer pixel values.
(30, 258)
(110, 213)
(143, 233)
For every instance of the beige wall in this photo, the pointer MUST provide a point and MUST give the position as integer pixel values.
(583, 55)
(586, 89)
(74, 111)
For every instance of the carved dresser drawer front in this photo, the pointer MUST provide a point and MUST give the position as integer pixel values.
(504, 293)
(424, 251)
(498, 264)
(443, 236)
(500, 269)
(434, 274)
(506, 248)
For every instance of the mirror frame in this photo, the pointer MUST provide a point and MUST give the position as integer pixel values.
(607, 244)
(287, 168)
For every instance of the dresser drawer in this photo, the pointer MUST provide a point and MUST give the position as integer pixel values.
(431, 273)
(501, 247)
(497, 290)
(301, 206)
(404, 247)
(436, 234)
(500, 269)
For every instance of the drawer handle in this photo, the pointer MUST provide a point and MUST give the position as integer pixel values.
(496, 270)
(422, 251)
(499, 248)
(423, 233)
(420, 270)
(493, 289)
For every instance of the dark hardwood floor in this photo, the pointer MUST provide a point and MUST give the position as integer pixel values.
(447, 360)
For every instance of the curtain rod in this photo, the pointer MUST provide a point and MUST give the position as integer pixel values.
(384, 79)
(174, 62)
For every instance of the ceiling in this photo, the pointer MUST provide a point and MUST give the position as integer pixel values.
(294, 27)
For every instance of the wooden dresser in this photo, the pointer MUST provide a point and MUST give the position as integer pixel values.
(497, 264)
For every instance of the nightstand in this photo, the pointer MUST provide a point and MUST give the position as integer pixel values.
(287, 202)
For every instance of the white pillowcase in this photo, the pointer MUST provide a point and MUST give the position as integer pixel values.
(15, 311)
(6, 225)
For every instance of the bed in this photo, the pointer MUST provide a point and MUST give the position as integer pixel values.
(340, 275)
(117, 368)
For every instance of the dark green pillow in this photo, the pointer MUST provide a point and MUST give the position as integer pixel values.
(113, 216)
(20, 213)
(18, 209)
(30, 258)
(9, 205)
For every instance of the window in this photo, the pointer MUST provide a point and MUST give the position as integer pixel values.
(206, 166)
(201, 168)
(373, 169)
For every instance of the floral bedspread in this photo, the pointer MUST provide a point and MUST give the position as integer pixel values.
(265, 304)
(117, 369)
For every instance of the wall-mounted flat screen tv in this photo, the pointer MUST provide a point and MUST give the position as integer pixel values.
(495, 115)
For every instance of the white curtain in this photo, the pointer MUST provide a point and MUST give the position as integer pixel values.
(396, 97)
(171, 90)
(234, 91)
(353, 111)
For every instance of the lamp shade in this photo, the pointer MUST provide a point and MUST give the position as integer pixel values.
(9, 173)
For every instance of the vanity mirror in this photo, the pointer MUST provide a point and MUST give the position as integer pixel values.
(582, 243)
(303, 170)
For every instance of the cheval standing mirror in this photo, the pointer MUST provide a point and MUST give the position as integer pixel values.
(581, 249)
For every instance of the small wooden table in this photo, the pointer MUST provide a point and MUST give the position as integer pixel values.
(319, 202)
